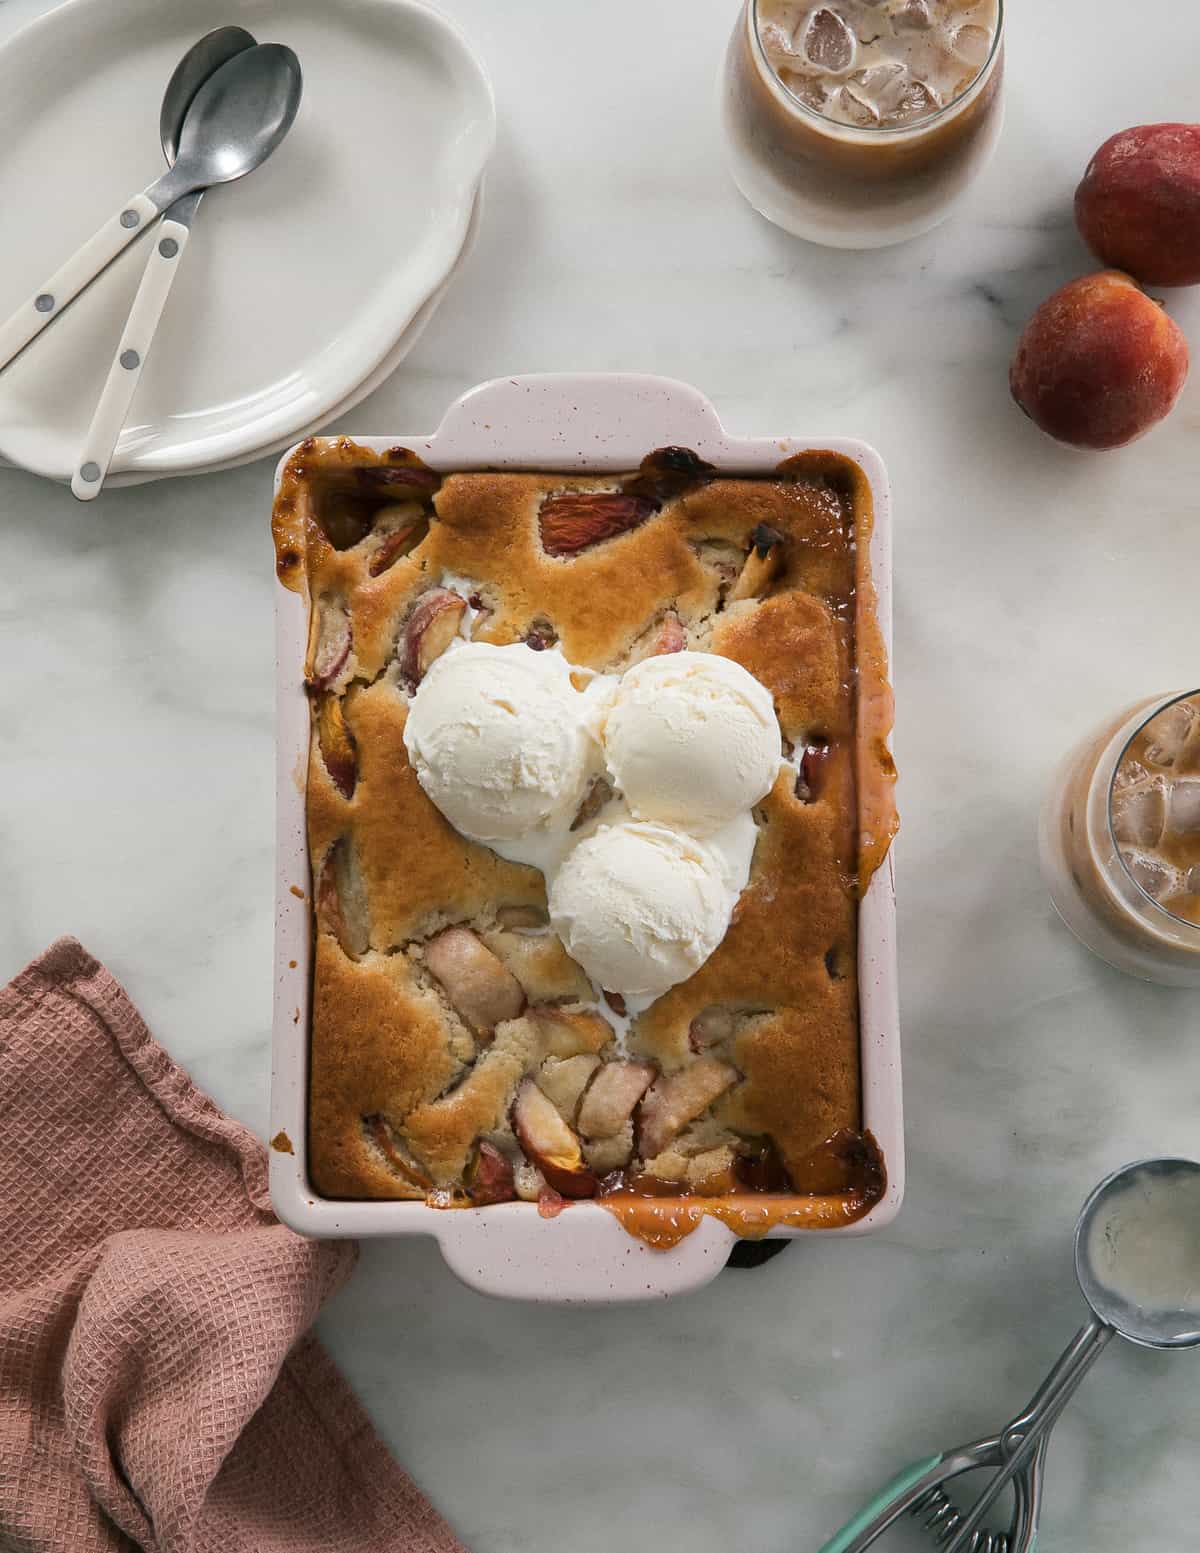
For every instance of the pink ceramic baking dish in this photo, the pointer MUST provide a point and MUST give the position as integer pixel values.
(597, 423)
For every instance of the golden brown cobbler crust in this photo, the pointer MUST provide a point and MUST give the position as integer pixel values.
(384, 1041)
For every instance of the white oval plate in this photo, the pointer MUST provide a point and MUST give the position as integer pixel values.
(298, 284)
(369, 384)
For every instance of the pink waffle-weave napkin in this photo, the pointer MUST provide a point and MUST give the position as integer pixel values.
(157, 1389)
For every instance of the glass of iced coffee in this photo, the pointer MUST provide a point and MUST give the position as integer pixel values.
(858, 123)
(1120, 841)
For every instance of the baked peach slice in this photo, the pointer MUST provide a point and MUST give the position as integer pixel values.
(397, 1156)
(401, 529)
(481, 988)
(612, 1097)
(563, 1081)
(671, 637)
(573, 521)
(540, 635)
(489, 1176)
(810, 779)
(678, 1099)
(407, 477)
(569, 1031)
(598, 794)
(550, 1144)
(430, 629)
(723, 562)
(337, 745)
(341, 903)
(329, 645)
(712, 1026)
(762, 564)
(665, 634)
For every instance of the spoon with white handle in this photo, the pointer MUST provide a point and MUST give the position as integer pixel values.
(238, 117)
(201, 61)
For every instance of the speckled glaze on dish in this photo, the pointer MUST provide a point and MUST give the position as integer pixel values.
(598, 423)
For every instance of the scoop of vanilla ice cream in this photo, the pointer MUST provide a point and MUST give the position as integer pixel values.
(641, 906)
(692, 739)
(501, 740)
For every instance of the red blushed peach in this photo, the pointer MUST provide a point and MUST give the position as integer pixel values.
(1138, 207)
(1099, 363)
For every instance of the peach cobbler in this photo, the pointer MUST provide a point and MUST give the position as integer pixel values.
(597, 774)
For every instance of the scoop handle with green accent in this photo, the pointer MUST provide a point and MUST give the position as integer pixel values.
(887, 1506)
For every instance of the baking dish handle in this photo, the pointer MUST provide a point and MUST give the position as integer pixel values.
(583, 1256)
(614, 407)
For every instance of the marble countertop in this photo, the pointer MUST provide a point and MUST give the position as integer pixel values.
(1036, 590)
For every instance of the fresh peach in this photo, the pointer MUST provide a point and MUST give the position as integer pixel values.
(1138, 207)
(1099, 363)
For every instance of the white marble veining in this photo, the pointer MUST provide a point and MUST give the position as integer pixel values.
(1036, 590)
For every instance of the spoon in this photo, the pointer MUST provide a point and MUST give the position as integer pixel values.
(202, 60)
(236, 120)
(1137, 1261)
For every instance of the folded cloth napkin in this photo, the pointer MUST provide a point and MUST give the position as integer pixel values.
(156, 1387)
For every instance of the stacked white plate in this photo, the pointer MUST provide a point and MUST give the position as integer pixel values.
(302, 287)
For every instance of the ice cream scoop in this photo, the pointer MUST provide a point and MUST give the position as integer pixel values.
(691, 739)
(1138, 1266)
(501, 740)
(641, 906)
